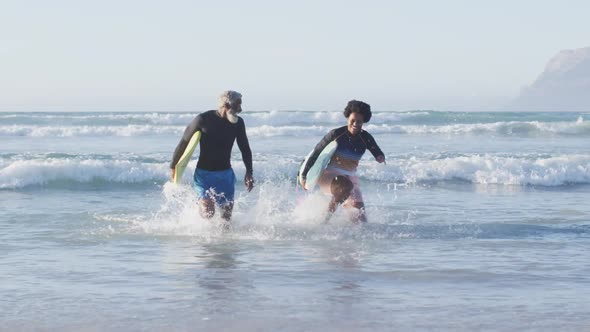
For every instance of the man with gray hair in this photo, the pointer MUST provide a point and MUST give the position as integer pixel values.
(214, 178)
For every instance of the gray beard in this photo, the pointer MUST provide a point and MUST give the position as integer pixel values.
(231, 116)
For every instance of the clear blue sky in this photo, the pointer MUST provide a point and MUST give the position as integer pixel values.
(312, 55)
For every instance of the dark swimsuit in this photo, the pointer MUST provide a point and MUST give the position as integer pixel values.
(214, 178)
(217, 139)
(349, 152)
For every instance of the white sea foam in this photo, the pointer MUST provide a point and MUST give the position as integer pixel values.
(291, 127)
(485, 169)
(265, 131)
(274, 211)
(74, 131)
(281, 118)
(136, 118)
(276, 118)
(23, 173)
(510, 128)
(481, 169)
(271, 211)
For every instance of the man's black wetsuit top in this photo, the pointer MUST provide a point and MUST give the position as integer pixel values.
(349, 152)
(217, 139)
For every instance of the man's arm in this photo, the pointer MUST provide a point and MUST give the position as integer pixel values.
(193, 127)
(244, 146)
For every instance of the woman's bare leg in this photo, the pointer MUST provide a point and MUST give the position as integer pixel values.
(361, 217)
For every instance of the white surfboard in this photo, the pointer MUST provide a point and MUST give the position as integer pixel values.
(317, 169)
(186, 157)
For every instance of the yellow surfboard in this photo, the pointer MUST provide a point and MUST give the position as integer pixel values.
(186, 157)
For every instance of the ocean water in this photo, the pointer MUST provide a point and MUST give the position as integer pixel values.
(479, 221)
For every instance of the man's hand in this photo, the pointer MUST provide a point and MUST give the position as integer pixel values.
(303, 184)
(249, 182)
(172, 173)
(380, 159)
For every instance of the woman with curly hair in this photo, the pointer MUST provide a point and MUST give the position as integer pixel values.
(340, 179)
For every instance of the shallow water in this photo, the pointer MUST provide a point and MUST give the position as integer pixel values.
(479, 221)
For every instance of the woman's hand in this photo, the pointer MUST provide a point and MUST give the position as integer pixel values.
(380, 159)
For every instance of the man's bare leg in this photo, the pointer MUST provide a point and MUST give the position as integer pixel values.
(226, 215)
(207, 208)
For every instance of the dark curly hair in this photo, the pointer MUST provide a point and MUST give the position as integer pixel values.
(356, 106)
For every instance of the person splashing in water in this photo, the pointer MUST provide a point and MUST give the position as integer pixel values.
(214, 178)
(339, 179)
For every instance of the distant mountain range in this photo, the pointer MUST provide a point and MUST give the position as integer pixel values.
(564, 85)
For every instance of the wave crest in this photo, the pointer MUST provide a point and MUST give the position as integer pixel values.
(478, 169)
(514, 128)
(24, 173)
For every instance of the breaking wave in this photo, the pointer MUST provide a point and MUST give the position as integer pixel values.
(16, 171)
(518, 129)
(296, 123)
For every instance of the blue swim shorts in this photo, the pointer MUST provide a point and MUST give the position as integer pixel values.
(218, 185)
